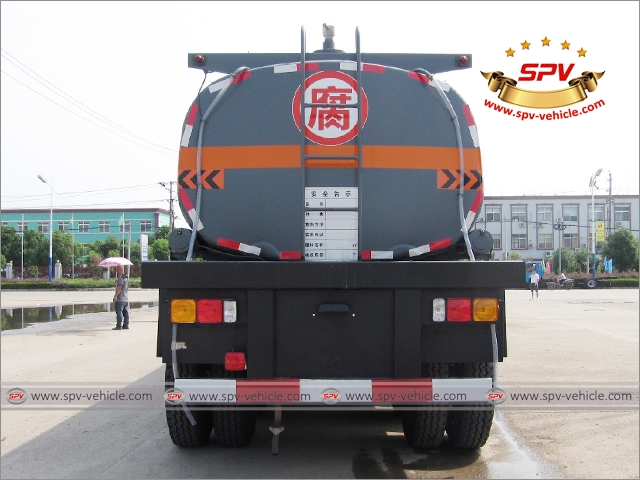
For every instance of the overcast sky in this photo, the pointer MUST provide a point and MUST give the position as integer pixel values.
(94, 94)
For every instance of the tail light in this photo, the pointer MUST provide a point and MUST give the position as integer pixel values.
(235, 361)
(459, 309)
(466, 309)
(207, 310)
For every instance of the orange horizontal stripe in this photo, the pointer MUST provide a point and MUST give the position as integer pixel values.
(331, 163)
(288, 156)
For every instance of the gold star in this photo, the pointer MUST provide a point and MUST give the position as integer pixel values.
(582, 52)
(545, 42)
(565, 45)
(525, 45)
(510, 52)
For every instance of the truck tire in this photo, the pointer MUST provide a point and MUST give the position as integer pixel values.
(426, 428)
(181, 431)
(234, 428)
(469, 429)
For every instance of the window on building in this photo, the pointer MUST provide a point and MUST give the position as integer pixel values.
(570, 213)
(126, 228)
(545, 241)
(63, 226)
(519, 242)
(43, 227)
(104, 226)
(145, 226)
(519, 213)
(5, 224)
(599, 209)
(621, 213)
(570, 240)
(545, 214)
(83, 227)
(493, 214)
(23, 227)
(497, 242)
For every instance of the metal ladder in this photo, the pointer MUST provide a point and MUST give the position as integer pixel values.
(303, 138)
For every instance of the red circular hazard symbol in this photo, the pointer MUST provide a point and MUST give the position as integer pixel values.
(329, 124)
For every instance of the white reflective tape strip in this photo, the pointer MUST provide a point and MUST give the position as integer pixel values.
(469, 220)
(285, 68)
(461, 390)
(206, 390)
(349, 391)
(192, 216)
(186, 136)
(348, 66)
(444, 86)
(473, 130)
(381, 255)
(215, 87)
(243, 247)
(414, 252)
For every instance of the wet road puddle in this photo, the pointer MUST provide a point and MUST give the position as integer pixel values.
(19, 318)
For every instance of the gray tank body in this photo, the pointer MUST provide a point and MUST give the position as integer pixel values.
(398, 199)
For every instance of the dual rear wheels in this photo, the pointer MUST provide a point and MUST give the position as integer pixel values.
(467, 429)
(232, 427)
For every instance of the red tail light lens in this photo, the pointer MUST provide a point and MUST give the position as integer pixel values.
(209, 311)
(459, 309)
(235, 361)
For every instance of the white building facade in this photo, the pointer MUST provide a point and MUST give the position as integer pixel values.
(535, 226)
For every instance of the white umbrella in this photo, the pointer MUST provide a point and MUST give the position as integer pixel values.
(114, 262)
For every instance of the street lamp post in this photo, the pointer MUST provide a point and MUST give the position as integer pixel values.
(592, 185)
(50, 225)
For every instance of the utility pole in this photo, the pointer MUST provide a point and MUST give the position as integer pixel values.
(560, 226)
(170, 188)
(610, 205)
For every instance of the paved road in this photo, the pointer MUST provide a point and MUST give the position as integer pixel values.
(581, 336)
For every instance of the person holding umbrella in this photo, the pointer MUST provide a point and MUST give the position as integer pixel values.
(121, 299)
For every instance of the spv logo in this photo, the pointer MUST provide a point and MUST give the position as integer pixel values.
(496, 396)
(331, 396)
(545, 66)
(16, 396)
(174, 396)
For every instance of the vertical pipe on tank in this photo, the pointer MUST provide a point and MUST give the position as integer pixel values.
(303, 122)
(360, 90)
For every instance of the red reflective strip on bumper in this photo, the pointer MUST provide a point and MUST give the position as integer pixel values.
(267, 391)
(365, 255)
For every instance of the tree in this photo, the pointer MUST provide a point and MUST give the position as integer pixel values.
(62, 247)
(161, 232)
(11, 246)
(569, 261)
(159, 250)
(36, 248)
(622, 247)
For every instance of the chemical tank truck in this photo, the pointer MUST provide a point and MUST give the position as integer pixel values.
(332, 259)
